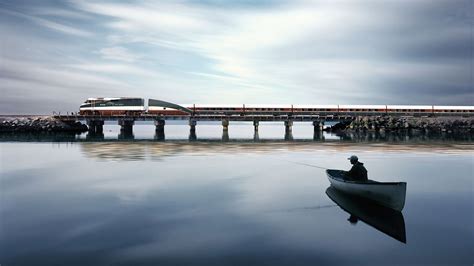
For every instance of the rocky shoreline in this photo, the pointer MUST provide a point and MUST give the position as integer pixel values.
(39, 124)
(363, 123)
(394, 124)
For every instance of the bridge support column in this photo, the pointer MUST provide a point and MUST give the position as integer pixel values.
(96, 127)
(288, 130)
(255, 125)
(225, 130)
(192, 129)
(255, 131)
(159, 129)
(318, 130)
(126, 128)
(225, 125)
(318, 125)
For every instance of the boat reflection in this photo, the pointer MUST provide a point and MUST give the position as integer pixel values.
(386, 220)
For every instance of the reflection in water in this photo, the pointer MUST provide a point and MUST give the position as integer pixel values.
(38, 136)
(288, 135)
(159, 135)
(318, 136)
(150, 150)
(192, 135)
(384, 219)
(256, 137)
(403, 136)
(225, 135)
(126, 135)
(95, 136)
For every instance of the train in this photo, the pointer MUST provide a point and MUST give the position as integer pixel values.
(136, 106)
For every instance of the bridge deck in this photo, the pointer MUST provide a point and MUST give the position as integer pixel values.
(309, 118)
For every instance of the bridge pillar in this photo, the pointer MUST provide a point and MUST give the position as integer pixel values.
(192, 129)
(255, 126)
(225, 130)
(95, 126)
(126, 128)
(318, 125)
(318, 135)
(225, 125)
(288, 130)
(255, 131)
(159, 129)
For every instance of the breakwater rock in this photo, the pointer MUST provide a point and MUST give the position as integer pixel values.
(424, 124)
(39, 124)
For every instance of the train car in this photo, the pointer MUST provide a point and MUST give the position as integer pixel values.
(453, 110)
(409, 110)
(361, 109)
(217, 109)
(268, 109)
(112, 106)
(314, 109)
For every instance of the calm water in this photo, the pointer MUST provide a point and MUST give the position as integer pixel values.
(240, 202)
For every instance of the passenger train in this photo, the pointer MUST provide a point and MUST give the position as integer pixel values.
(136, 106)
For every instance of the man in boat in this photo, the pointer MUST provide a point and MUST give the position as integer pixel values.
(357, 172)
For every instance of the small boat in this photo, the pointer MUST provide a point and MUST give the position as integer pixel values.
(389, 194)
(386, 220)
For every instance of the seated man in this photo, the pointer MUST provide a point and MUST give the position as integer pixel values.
(357, 172)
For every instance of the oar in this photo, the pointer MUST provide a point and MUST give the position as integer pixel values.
(310, 165)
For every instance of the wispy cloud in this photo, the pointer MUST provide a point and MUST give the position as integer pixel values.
(317, 52)
(118, 53)
(50, 24)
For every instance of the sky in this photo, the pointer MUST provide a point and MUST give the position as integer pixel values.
(55, 54)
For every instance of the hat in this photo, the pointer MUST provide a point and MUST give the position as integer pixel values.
(353, 158)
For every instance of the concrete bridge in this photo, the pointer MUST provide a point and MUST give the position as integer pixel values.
(96, 122)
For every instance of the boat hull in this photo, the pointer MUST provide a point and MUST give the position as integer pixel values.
(389, 194)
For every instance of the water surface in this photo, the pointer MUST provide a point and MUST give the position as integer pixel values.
(208, 202)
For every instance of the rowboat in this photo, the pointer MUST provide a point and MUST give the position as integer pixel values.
(385, 220)
(389, 194)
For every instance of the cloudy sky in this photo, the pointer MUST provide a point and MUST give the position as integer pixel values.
(54, 54)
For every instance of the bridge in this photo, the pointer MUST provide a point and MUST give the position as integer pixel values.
(95, 122)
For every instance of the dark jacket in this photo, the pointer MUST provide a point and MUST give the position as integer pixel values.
(357, 172)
